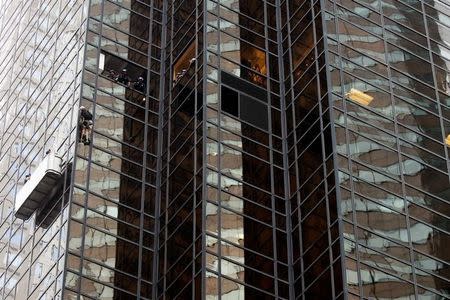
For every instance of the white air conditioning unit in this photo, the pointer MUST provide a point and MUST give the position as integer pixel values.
(36, 191)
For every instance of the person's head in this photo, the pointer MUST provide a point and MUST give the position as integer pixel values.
(124, 70)
(140, 78)
(82, 107)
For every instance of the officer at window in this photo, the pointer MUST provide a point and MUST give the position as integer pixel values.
(139, 85)
(123, 77)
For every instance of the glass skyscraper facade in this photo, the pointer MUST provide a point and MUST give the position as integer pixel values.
(226, 149)
(41, 58)
(391, 155)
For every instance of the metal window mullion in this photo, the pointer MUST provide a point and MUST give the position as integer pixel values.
(220, 146)
(194, 150)
(22, 226)
(66, 175)
(168, 45)
(54, 36)
(271, 162)
(22, 138)
(349, 163)
(285, 146)
(144, 161)
(90, 146)
(399, 156)
(159, 153)
(33, 238)
(323, 142)
(295, 163)
(438, 102)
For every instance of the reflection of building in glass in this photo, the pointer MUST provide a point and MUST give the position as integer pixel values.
(226, 149)
(392, 159)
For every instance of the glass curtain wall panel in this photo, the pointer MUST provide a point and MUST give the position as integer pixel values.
(41, 56)
(112, 216)
(389, 82)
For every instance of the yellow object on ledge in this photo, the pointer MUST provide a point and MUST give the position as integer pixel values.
(447, 140)
(358, 96)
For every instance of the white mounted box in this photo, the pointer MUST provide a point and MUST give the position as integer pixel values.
(38, 188)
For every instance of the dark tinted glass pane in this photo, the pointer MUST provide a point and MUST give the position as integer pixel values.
(230, 101)
(253, 112)
(244, 86)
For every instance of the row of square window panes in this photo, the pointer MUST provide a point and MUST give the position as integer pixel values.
(91, 288)
(250, 162)
(246, 24)
(306, 110)
(430, 202)
(131, 97)
(380, 69)
(130, 212)
(252, 61)
(420, 210)
(423, 217)
(125, 40)
(123, 230)
(105, 130)
(254, 137)
(40, 95)
(419, 76)
(382, 97)
(430, 143)
(114, 10)
(124, 259)
(397, 263)
(437, 189)
(229, 148)
(131, 195)
(420, 147)
(116, 148)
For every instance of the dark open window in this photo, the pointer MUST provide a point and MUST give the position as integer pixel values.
(237, 102)
(112, 65)
(230, 101)
(184, 63)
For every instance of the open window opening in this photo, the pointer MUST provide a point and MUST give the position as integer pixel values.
(184, 64)
(124, 72)
(244, 101)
